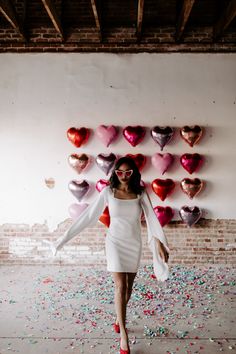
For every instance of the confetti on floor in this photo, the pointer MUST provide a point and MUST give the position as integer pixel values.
(69, 309)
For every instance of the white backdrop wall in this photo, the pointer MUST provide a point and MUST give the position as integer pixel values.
(42, 95)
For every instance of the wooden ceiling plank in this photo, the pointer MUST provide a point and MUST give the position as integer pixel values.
(225, 20)
(96, 17)
(140, 18)
(9, 13)
(183, 17)
(52, 13)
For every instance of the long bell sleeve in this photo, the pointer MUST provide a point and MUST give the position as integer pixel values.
(154, 230)
(89, 217)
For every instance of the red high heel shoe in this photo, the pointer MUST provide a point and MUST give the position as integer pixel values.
(116, 327)
(122, 351)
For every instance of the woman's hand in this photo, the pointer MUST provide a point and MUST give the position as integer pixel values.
(162, 251)
(52, 247)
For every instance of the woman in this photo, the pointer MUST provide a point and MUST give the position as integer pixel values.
(126, 199)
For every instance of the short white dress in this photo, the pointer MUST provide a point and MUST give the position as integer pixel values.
(123, 243)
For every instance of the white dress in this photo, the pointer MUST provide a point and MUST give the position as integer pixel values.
(123, 239)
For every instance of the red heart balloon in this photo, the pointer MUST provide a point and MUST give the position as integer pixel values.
(164, 214)
(105, 217)
(139, 159)
(191, 162)
(79, 136)
(163, 187)
(191, 135)
(134, 135)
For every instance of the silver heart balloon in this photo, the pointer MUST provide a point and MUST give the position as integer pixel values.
(162, 135)
(190, 215)
(79, 188)
(105, 162)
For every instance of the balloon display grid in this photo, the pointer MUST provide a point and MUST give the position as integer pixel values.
(134, 135)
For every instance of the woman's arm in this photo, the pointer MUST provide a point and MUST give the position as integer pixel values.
(89, 217)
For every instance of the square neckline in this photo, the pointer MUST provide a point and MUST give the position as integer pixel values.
(113, 194)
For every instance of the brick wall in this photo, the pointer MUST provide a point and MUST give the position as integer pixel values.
(209, 241)
(117, 39)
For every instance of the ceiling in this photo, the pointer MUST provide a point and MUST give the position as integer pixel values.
(118, 25)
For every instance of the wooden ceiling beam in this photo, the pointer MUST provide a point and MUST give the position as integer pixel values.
(9, 13)
(225, 20)
(96, 17)
(140, 18)
(52, 13)
(183, 17)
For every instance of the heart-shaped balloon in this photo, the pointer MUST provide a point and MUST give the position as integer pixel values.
(79, 162)
(76, 209)
(107, 134)
(192, 134)
(163, 187)
(105, 162)
(164, 214)
(190, 215)
(105, 217)
(134, 134)
(191, 162)
(191, 187)
(162, 135)
(102, 183)
(79, 188)
(162, 162)
(78, 136)
(139, 159)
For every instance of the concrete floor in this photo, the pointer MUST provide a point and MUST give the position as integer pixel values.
(55, 309)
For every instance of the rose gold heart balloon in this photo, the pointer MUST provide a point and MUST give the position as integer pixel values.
(78, 136)
(191, 187)
(192, 134)
(79, 162)
(134, 135)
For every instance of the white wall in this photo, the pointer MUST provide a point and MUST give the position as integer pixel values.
(42, 95)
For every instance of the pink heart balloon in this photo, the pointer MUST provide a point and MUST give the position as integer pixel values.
(164, 214)
(134, 135)
(102, 183)
(76, 209)
(107, 134)
(162, 162)
(191, 162)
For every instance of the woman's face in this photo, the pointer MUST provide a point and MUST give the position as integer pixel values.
(123, 173)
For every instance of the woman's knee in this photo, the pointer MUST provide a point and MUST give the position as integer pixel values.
(120, 283)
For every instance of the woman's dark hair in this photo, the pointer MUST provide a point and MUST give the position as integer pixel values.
(135, 179)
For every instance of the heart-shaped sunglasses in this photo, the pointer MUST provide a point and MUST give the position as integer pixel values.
(121, 173)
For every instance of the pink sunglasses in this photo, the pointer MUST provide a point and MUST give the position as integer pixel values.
(121, 173)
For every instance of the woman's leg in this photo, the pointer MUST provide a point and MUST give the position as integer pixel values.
(129, 286)
(120, 281)
(129, 281)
